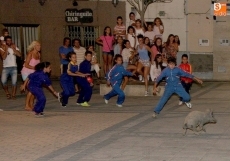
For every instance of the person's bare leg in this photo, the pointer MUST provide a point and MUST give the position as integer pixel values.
(105, 63)
(110, 62)
(146, 73)
(14, 90)
(5, 88)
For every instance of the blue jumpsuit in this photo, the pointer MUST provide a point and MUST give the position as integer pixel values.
(67, 83)
(115, 77)
(173, 85)
(86, 90)
(36, 81)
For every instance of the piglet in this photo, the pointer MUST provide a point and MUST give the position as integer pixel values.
(196, 120)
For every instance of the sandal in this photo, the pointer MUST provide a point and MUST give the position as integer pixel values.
(8, 96)
(13, 97)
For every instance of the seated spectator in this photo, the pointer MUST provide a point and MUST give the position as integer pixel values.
(177, 41)
(139, 30)
(131, 36)
(127, 54)
(94, 63)
(156, 67)
(150, 33)
(157, 48)
(171, 47)
(118, 46)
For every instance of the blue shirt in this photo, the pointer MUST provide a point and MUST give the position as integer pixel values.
(39, 78)
(64, 50)
(116, 74)
(143, 53)
(85, 67)
(172, 76)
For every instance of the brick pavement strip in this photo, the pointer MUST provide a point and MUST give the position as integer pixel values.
(107, 133)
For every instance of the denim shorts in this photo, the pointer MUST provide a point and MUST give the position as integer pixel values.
(9, 71)
(108, 53)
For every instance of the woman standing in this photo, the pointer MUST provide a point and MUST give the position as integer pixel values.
(118, 46)
(139, 30)
(144, 61)
(32, 59)
(107, 40)
(171, 47)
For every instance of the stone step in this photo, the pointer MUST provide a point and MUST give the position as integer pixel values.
(134, 90)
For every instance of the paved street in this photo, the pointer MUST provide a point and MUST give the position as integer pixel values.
(108, 133)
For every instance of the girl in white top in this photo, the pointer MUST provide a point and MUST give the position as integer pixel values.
(156, 67)
(139, 30)
(127, 54)
(150, 33)
(131, 36)
(158, 27)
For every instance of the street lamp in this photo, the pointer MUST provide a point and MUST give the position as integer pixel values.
(115, 3)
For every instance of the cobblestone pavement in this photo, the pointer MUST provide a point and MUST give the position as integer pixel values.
(107, 133)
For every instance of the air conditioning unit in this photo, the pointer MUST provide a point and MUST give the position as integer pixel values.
(204, 42)
(224, 42)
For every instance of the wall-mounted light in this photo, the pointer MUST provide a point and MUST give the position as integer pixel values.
(42, 2)
(115, 2)
(75, 3)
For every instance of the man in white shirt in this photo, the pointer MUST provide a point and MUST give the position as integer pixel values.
(79, 50)
(8, 52)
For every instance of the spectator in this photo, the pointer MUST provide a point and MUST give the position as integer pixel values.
(94, 62)
(150, 33)
(157, 48)
(171, 47)
(79, 50)
(106, 40)
(5, 33)
(144, 62)
(32, 59)
(119, 29)
(177, 41)
(63, 51)
(131, 36)
(118, 46)
(156, 67)
(132, 19)
(139, 30)
(8, 52)
(127, 53)
(158, 28)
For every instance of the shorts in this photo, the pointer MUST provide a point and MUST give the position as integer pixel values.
(9, 71)
(108, 53)
(145, 63)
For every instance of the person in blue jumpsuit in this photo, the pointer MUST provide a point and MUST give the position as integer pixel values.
(35, 82)
(86, 87)
(172, 76)
(114, 78)
(68, 79)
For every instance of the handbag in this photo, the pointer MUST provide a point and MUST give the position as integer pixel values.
(111, 51)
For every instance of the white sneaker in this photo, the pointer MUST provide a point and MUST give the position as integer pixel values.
(140, 77)
(146, 93)
(188, 104)
(154, 115)
(78, 104)
(106, 101)
(180, 103)
(119, 105)
(143, 80)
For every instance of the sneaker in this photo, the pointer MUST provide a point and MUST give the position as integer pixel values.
(146, 93)
(39, 114)
(180, 103)
(143, 80)
(63, 105)
(140, 77)
(85, 104)
(106, 101)
(78, 104)
(119, 105)
(188, 104)
(154, 114)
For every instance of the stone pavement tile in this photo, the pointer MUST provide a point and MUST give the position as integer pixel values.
(215, 157)
(156, 158)
(188, 158)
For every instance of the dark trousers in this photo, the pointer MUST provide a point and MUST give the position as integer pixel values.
(85, 92)
(187, 87)
(40, 97)
(67, 85)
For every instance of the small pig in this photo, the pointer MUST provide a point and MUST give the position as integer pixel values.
(196, 120)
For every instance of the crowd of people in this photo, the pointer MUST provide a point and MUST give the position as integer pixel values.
(129, 54)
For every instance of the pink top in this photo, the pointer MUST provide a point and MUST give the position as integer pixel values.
(107, 43)
(33, 63)
(155, 51)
